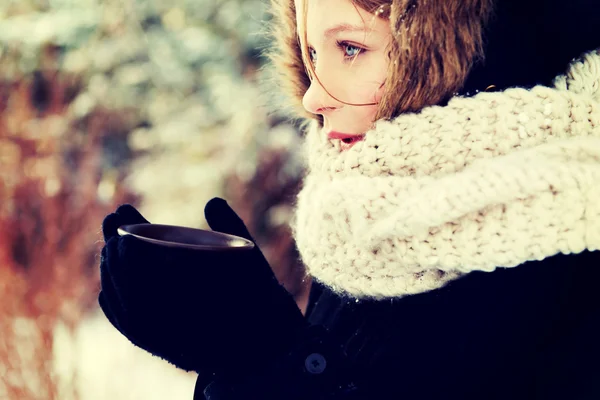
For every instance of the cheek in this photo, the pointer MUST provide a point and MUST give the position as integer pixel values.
(371, 112)
(364, 117)
(368, 92)
(379, 93)
(372, 92)
(368, 112)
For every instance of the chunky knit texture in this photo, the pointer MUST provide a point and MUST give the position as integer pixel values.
(489, 181)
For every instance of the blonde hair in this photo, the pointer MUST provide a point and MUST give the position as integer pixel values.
(433, 47)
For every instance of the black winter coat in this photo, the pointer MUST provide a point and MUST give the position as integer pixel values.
(529, 332)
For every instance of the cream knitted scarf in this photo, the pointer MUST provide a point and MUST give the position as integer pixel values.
(484, 182)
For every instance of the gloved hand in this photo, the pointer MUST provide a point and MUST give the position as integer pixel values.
(207, 311)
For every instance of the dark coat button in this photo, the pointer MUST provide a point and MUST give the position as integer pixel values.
(315, 363)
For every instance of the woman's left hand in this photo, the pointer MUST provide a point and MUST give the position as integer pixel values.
(204, 311)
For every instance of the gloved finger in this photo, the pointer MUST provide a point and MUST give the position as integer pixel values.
(116, 278)
(111, 278)
(104, 305)
(116, 296)
(222, 218)
(109, 226)
(130, 282)
(107, 298)
(130, 215)
(108, 311)
(125, 214)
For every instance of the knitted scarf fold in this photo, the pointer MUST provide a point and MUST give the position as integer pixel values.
(489, 181)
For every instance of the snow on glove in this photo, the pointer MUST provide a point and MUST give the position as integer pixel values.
(206, 311)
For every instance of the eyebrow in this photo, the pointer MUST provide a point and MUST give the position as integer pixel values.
(345, 28)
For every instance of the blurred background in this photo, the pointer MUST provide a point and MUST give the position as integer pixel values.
(160, 104)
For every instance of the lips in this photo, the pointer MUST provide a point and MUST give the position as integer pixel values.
(347, 140)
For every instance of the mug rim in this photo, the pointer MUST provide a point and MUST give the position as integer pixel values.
(230, 242)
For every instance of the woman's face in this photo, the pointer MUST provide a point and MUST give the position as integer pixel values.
(348, 48)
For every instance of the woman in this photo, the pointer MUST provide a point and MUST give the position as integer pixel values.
(453, 243)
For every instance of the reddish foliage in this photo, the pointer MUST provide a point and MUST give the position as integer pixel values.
(50, 214)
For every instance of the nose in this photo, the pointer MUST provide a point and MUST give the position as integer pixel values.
(316, 100)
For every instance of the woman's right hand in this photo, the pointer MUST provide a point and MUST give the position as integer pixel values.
(200, 310)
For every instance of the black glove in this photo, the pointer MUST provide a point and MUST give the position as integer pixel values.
(206, 311)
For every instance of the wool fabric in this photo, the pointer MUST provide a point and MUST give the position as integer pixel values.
(488, 181)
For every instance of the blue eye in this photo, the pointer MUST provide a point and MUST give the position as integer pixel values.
(350, 51)
(353, 50)
(312, 54)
